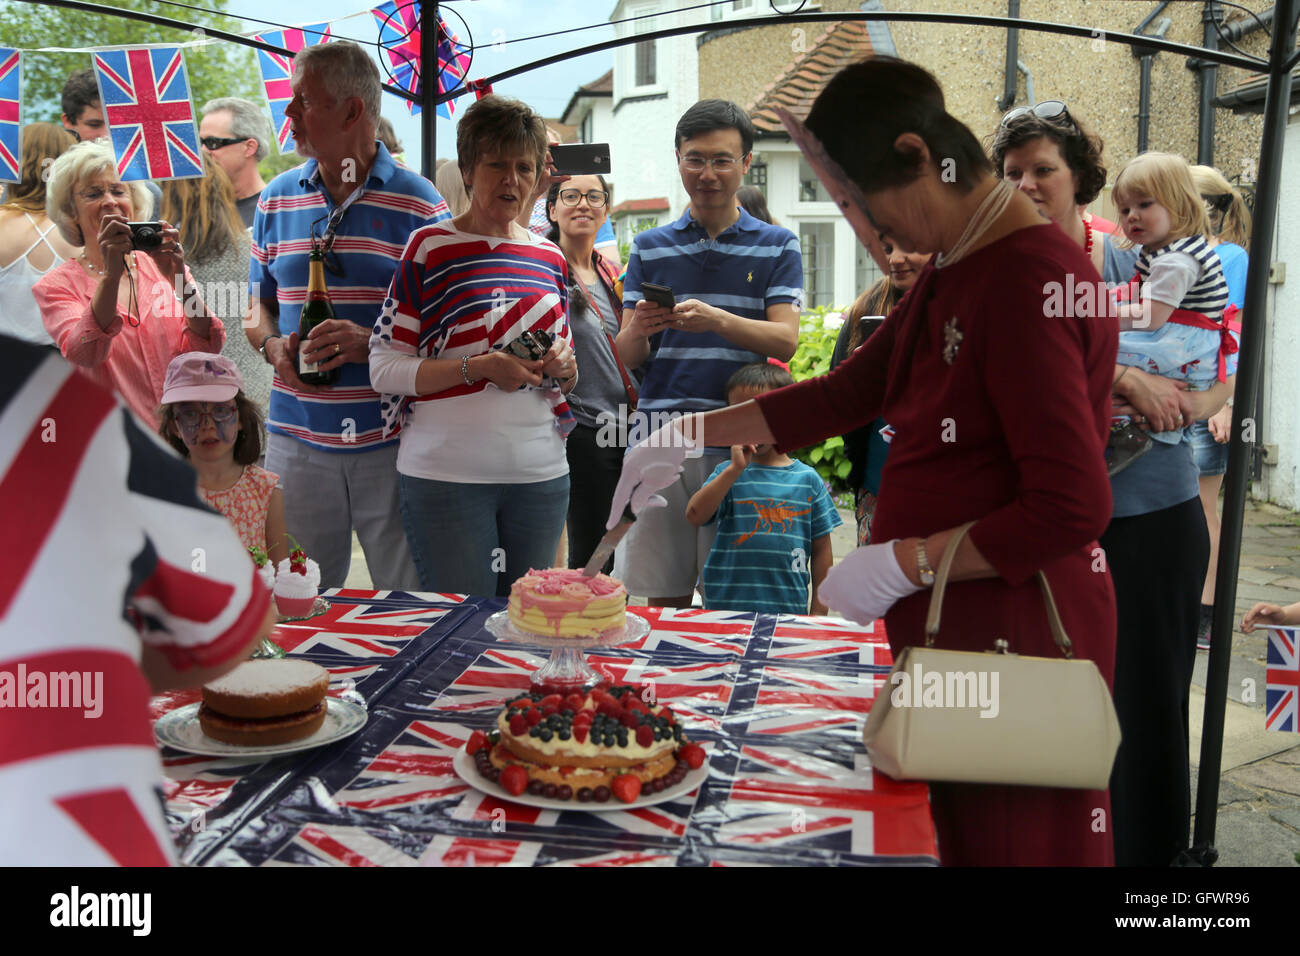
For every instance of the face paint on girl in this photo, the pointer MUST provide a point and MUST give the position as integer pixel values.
(203, 423)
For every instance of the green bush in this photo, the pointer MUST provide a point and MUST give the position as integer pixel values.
(813, 358)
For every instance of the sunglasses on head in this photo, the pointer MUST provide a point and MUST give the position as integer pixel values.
(1050, 110)
(215, 143)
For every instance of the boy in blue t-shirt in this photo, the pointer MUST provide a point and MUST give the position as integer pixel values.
(774, 519)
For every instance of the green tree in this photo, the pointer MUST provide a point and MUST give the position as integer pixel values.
(217, 69)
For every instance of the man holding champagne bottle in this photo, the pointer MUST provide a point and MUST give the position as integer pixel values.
(340, 220)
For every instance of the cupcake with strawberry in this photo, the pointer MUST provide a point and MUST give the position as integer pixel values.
(265, 569)
(296, 583)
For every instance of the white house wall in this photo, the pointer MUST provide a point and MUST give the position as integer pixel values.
(1280, 424)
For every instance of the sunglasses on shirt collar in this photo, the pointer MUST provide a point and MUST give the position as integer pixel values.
(323, 242)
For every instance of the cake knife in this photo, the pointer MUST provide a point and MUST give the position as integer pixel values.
(608, 543)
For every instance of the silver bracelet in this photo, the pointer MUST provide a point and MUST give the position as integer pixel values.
(464, 369)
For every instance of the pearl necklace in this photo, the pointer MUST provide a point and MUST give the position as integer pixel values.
(98, 270)
(993, 205)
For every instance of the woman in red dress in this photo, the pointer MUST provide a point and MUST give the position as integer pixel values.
(1000, 412)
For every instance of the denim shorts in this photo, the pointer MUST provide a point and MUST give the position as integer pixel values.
(1211, 457)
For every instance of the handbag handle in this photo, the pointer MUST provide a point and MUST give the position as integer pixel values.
(941, 582)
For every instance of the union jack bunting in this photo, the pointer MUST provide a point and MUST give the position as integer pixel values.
(399, 37)
(277, 69)
(1282, 680)
(146, 98)
(11, 146)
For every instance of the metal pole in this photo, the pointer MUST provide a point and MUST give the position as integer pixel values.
(1267, 196)
(1209, 81)
(429, 67)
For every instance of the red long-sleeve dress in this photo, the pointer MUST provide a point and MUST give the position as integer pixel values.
(1009, 433)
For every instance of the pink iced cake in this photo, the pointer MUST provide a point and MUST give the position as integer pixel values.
(559, 602)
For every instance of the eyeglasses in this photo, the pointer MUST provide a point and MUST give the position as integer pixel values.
(720, 164)
(595, 197)
(117, 191)
(1047, 110)
(324, 243)
(190, 415)
(214, 143)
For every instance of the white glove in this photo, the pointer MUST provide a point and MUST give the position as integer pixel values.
(650, 465)
(866, 584)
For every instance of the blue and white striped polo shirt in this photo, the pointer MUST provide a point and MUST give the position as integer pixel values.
(367, 244)
(750, 265)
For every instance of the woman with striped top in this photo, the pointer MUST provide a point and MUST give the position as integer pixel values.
(482, 473)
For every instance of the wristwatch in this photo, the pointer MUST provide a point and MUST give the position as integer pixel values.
(923, 569)
(261, 349)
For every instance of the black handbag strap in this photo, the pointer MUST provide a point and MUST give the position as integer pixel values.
(941, 583)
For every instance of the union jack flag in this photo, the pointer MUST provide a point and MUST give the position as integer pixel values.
(277, 69)
(794, 700)
(146, 99)
(822, 638)
(363, 629)
(1282, 680)
(11, 144)
(399, 37)
(694, 630)
(808, 805)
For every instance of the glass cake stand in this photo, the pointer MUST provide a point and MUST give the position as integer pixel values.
(567, 671)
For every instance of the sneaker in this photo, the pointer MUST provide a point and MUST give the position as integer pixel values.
(1127, 444)
(1203, 628)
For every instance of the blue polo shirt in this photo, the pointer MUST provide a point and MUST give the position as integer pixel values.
(750, 265)
(368, 244)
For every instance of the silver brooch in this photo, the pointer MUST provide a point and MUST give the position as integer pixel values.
(951, 340)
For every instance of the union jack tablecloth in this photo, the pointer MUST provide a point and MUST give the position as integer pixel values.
(778, 701)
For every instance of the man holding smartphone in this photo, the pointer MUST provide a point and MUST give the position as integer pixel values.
(738, 286)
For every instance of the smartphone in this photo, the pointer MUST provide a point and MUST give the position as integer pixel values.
(658, 294)
(531, 345)
(146, 235)
(581, 159)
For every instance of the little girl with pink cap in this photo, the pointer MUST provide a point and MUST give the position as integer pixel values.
(206, 418)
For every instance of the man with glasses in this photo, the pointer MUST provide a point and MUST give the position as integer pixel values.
(237, 135)
(358, 206)
(738, 285)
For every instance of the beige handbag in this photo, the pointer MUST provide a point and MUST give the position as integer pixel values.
(993, 717)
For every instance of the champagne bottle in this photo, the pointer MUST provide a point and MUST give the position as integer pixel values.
(315, 310)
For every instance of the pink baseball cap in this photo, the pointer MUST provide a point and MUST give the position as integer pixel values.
(201, 377)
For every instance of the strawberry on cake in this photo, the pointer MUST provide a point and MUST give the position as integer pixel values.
(562, 602)
(296, 582)
(587, 747)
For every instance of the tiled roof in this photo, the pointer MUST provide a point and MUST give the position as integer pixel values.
(603, 85)
(640, 205)
(842, 43)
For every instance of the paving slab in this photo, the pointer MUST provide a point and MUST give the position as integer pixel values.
(1244, 738)
(1248, 837)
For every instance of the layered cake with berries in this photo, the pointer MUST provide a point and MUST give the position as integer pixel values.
(296, 582)
(585, 747)
(563, 602)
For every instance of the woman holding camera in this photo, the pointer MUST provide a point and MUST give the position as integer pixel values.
(114, 312)
(473, 360)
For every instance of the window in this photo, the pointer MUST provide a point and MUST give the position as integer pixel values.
(757, 176)
(865, 272)
(810, 187)
(817, 240)
(644, 52)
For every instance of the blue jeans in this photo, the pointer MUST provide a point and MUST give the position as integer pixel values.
(479, 539)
